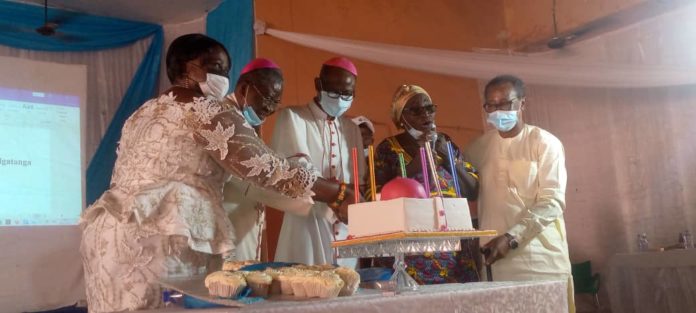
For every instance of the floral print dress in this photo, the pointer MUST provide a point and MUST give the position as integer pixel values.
(162, 215)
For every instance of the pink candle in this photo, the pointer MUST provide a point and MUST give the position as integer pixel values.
(433, 169)
(424, 166)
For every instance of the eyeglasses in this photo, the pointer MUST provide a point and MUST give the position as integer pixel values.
(426, 109)
(266, 99)
(269, 103)
(344, 95)
(502, 106)
(335, 95)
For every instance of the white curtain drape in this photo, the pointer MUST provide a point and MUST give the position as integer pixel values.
(631, 153)
(557, 69)
(41, 267)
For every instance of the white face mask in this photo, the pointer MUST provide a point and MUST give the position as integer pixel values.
(417, 134)
(215, 86)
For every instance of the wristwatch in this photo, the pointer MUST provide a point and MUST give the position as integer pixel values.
(512, 242)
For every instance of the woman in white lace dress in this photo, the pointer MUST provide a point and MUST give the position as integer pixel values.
(162, 215)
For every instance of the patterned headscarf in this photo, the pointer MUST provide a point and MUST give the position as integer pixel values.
(401, 97)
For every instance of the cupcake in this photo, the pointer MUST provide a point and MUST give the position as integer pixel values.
(325, 285)
(275, 283)
(318, 268)
(225, 284)
(350, 277)
(323, 267)
(298, 286)
(285, 279)
(260, 283)
(236, 265)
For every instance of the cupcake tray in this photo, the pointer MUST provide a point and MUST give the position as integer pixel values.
(400, 243)
(195, 287)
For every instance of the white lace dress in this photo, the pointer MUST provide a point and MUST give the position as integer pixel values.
(163, 215)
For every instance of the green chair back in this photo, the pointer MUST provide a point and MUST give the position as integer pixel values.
(583, 280)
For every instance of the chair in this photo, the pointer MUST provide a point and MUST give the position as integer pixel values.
(584, 281)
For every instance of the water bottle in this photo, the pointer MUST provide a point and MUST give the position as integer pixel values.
(686, 240)
(642, 242)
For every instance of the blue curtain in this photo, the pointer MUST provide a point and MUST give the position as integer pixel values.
(143, 87)
(79, 32)
(232, 24)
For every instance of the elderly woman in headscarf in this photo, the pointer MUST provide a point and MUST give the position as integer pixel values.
(414, 112)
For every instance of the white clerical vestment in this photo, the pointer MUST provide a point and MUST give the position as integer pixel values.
(307, 132)
(245, 205)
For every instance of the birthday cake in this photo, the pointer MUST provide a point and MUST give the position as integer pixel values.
(408, 215)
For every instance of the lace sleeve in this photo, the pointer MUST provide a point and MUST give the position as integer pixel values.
(233, 143)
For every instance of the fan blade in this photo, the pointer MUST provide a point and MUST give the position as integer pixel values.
(15, 29)
(68, 38)
(63, 18)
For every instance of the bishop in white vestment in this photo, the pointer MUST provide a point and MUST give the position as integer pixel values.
(319, 133)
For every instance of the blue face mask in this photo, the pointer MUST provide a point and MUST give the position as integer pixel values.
(503, 120)
(249, 114)
(334, 107)
(251, 117)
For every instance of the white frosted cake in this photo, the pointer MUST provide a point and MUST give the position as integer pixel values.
(408, 215)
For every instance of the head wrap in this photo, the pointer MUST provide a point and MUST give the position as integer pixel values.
(258, 63)
(401, 97)
(363, 120)
(342, 63)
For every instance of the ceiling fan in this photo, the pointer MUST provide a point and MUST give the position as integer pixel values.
(558, 41)
(561, 40)
(602, 25)
(49, 28)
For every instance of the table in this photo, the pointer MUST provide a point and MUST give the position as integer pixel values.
(653, 282)
(545, 296)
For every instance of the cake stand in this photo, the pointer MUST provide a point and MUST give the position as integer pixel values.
(400, 243)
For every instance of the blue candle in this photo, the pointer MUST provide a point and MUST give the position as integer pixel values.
(455, 177)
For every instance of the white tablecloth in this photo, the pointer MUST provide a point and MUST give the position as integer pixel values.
(473, 297)
(653, 282)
